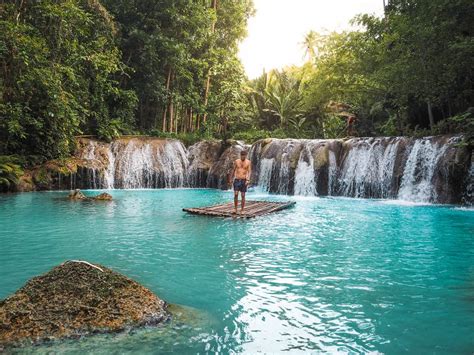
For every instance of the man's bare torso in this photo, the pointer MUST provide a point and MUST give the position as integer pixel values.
(242, 168)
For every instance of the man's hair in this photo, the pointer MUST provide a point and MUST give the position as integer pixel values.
(243, 152)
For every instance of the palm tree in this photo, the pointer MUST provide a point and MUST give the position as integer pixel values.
(284, 98)
(311, 44)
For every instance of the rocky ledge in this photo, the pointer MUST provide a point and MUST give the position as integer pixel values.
(76, 299)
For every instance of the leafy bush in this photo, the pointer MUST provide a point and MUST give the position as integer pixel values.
(253, 136)
(10, 172)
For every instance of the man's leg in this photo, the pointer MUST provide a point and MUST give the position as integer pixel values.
(236, 200)
(243, 200)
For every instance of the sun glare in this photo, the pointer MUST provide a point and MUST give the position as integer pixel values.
(276, 31)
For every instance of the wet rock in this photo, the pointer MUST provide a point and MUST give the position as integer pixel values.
(202, 157)
(25, 183)
(63, 174)
(76, 299)
(103, 197)
(220, 171)
(77, 195)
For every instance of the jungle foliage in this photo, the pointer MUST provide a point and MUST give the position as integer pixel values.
(170, 68)
(113, 67)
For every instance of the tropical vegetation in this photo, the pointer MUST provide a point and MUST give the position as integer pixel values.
(170, 68)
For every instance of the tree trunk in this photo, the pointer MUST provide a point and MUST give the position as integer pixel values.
(171, 112)
(176, 121)
(206, 95)
(208, 80)
(190, 123)
(165, 110)
(430, 114)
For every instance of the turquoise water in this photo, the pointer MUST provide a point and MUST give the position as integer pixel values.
(331, 274)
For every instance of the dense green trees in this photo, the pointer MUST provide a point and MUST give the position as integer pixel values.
(170, 67)
(59, 76)
(106, 68)
(184, 60)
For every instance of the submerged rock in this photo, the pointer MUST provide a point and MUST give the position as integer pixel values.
(76, 299)
(103, 197)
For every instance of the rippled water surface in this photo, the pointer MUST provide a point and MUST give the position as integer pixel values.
(328, 275)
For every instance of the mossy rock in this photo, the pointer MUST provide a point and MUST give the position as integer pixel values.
(25, 183)
(76, 299)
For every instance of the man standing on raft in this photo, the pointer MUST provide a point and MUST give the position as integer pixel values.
(241, 175)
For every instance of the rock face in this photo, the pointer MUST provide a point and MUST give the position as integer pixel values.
(62, 175)
(146, 162)
(76, 299)
(431, 169)
(219, 172)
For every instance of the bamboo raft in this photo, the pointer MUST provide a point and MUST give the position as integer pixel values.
(252, 209)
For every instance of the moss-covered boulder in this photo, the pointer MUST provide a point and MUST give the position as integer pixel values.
(76, 299)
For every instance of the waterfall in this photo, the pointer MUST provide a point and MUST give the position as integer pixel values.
(417, 184)
(305, 184)
(264, 180)
(135, 163)
(196, 175)
(284, 176)
(109, 174)
(387, 167)
(468, 197)
(174, 164)
(368, 168)
(332, 173)
(431, 169)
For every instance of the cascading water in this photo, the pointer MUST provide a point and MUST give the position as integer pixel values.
(332, 172)
(174, 164)
(91, 156)
(468, 197)
(419, 170)
(305, 184)
(386, 169)
(284, 176)
(368, 168)
(264, 180)
(410, 169)
(109, 174)
(196, 175)
(139, 163)
(134, 166)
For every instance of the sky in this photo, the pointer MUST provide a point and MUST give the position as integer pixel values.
(276, 31)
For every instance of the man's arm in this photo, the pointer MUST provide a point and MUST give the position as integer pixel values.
(232, 174)
(249, 172)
